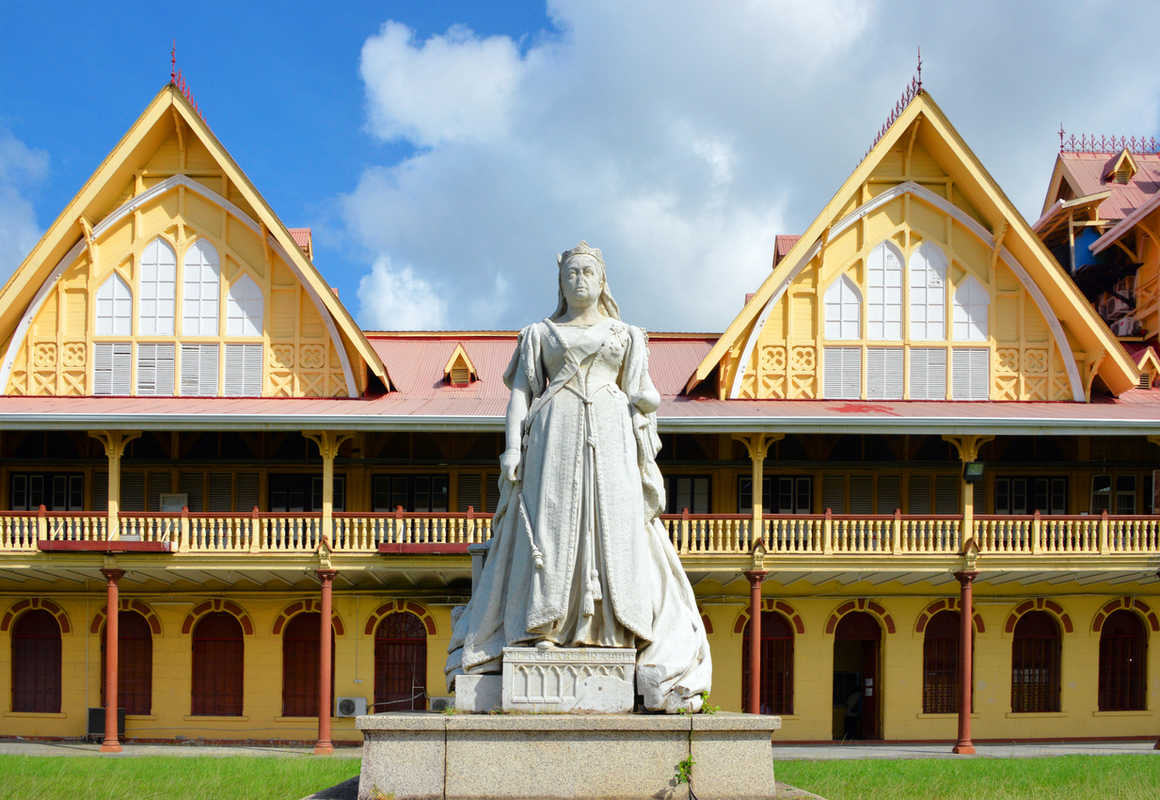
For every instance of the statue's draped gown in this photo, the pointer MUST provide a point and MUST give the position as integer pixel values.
(579, 557)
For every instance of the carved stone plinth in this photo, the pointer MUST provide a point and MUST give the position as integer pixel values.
(594, 679)
(478, 694)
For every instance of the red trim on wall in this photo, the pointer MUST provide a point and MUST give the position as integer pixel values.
(47, 546)
(431, 549)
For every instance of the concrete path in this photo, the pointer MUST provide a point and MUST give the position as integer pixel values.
(829, 752)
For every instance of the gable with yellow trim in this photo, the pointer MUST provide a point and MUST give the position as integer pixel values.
(918, 281)
(168, 274)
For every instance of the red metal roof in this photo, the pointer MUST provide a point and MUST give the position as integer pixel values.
(304, 239)
(1086, 173)
(782, 244)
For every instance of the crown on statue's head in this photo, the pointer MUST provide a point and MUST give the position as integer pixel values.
(582, 249)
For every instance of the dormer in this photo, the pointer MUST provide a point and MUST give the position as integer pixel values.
(305, 241)
(1123, 168)
(459, 371)
(1149, 366)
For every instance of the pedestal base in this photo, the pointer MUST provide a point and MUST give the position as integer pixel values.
(462, 757)
(478, 694)
(594, 679)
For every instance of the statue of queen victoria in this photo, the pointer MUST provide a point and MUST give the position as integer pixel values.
(579, 557)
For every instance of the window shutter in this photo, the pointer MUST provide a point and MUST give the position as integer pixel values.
(247, 491)
(221, 491)
(199, 370)
(159, 483)
(843, 373)
(884, 373)
(834, 493)
(918, 495)
(971, 375)
(928, 373)
(469, 488)
(112, 368)
(946, 494)
(861, 494)
(243, 370)
(133, 491)
(192, 484)
(154, 369)
(100, 491)
(889, 494)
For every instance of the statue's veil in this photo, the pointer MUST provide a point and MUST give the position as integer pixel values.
(606, 305)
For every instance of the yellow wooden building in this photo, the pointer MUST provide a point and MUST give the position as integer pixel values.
(919, 411)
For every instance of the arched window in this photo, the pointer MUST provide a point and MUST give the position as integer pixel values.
(244, 308)
(218, 660)
(400, 663)
(1123, 662)
(940, 664)
(969, 320)
(134, 664)
(843, 310)
(158, 289)
(200, 288)
(300, 665)
(1035, 663)
(776, 665)
(928, 277)
(114, 308)
(36, 663)
(884, 294)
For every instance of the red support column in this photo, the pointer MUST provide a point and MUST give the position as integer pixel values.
(966, 617)
(754, 654)
(324, 745)
(112, 637)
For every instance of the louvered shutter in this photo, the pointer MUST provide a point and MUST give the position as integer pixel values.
(918, 496)
(243, 370)
(112, 368)
(861, 494)
(199, 370)
(843, 373)
(884, 373)
(946, 494)
(889, 494)
(133, 491)
(928, 373)
(159, 483)
(193, 485)
(221, 491)
(469, 489)
(247, 491)
(100, 501)
(834, 493)
(971, 374)
(154, 369)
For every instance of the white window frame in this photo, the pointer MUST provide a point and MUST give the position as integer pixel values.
(155, 368)
(971, 304)
(244, 307)
(927, 294)
(927, 379)
(842, 373)
(199, 369)
(843, 304)
(201, 290)
(158, 293)
(112, 368)
(243, 374)
(114, 311)
(884, 293)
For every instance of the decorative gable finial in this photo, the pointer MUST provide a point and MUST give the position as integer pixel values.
(908, 94)
(918, 72)
(177, 80)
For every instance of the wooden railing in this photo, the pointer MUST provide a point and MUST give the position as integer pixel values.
(691, 534)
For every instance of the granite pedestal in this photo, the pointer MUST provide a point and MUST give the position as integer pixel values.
(468, 756)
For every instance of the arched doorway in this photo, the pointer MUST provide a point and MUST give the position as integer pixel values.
(218, 661)
(400, 663)
(1035, 664)
(36, 663)
(134, 663)
(940, 664)
(1123, 662)
(300, 665)
(776, 664)
(857, 688)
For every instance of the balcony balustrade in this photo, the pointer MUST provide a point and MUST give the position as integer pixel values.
(693, 535)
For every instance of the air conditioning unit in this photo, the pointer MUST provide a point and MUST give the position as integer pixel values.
(442, 703)
(350, 706)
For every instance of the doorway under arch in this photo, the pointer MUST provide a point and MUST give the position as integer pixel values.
(857, 698)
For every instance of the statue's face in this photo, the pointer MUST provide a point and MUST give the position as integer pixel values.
(581, 279)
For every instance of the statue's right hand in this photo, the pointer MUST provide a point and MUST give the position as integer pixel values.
(509, 464)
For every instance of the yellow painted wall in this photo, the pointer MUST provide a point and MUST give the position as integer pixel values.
(788, 359)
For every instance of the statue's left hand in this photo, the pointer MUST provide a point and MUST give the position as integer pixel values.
(646, 402)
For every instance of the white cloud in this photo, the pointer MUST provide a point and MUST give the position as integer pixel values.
(396, 299)
(681, 136)
(21, 168)
(450, 87)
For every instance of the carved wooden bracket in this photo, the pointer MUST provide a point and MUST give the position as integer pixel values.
(967, 446)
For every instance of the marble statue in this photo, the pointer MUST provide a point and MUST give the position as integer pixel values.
(579, 557)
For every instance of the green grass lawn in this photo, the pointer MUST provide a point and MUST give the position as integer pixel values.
(1127, 777)
(169, 777)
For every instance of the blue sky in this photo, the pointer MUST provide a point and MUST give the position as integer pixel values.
(444, 152)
